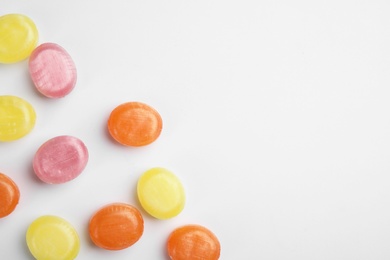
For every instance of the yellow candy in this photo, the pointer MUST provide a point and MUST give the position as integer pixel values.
(51, 237)
(17, 118)
(161, 193)
(18, 37)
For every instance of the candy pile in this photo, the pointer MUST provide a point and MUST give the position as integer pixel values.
(61, 159)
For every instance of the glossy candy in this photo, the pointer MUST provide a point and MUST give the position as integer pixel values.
(17, 118)
(51, 237)
(9, 195)
(116, 226)
(52, 70)
(60, 159)
(161, 193)
(135, 124)
(18, 37)
(193, 242)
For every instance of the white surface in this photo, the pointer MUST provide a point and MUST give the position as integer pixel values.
(276, 119)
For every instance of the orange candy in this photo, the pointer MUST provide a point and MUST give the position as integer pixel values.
(192, 242)
(116, 226)
(9, 195)
(135, 124)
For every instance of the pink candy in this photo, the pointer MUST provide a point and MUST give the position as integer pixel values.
(52, 70)
(60, 159)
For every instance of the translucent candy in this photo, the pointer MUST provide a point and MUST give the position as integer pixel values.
(60, 159)
(52, 70)
(116, 226)
(161, 193)
(193, 242)
(51, 237)
(18, 37)
(135, 124)
(17, 118)
(9, 195)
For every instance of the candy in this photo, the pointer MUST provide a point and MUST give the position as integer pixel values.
(161, 193)
(60, 159)
(17, 118)
(134, 124)
(9, 195)
(116, 226)
(51, 237)
(52, 70)
(18, 37)
(192, 242)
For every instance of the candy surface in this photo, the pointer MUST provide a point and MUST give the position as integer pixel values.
(161, 193)
(60, 159)
(192, 242)
(52, 70)
(18, 37)
(135, 124)
(17, 118)
(116, 226)
(9, 195)
(51, 237)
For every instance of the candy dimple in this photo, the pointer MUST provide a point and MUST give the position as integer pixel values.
(51, 237)
(116, 226)
(9, 195)
(18, 37)
(192, 242)
(52, 70)
(60, 159)
(135, 124)
(17, 118)
(161, 193)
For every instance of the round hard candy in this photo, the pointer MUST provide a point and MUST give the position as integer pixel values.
(135, 124)
(52, 70)
(18, 37)
(51, 237)
(192, 242)
(60, 159)
(161, 193)
(9, 195)
(17, 118)
(116, 226)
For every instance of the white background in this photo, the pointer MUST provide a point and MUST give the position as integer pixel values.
(276, 120)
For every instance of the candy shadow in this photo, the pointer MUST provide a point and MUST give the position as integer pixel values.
(88, 242)
(164, 250)
(108, 135)
(146, 215)
(26, 250)
(138, 205)
(31, 85)
(32, 176)
(29, 174)
(106, 132)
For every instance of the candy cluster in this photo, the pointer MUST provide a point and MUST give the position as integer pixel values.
(115, 226)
